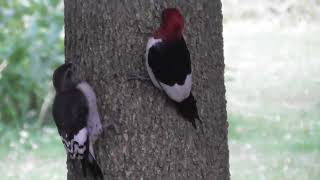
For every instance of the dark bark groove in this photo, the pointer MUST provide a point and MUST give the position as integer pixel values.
(106, 40)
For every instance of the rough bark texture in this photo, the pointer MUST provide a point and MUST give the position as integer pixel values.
(106, 40)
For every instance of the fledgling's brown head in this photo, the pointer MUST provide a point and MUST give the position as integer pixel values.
(172, 24)
(62, 80)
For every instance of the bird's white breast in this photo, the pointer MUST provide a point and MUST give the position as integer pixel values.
(93, 121)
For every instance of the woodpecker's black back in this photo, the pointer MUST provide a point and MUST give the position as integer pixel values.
(170, 61)
(70, 112)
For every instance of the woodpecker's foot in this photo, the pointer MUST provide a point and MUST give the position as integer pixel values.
(141, 77)
(113, 125)
(201, 122)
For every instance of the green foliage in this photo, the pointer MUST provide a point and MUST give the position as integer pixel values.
(31, 45)
(31, 153)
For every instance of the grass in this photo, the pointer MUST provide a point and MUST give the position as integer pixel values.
(273, 85)
(31, 154)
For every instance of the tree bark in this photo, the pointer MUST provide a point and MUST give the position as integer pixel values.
(106, 40)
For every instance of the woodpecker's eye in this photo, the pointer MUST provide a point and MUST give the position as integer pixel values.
(69, 74)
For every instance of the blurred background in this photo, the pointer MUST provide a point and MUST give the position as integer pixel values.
(272, 75)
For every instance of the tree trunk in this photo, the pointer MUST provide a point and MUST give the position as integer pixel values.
(106, 40)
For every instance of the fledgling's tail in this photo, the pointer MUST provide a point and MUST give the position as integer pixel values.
(188, 109)
(95, 168)
(89, 162)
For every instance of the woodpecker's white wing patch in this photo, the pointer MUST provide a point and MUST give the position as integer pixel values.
(178, 92)
(81, 137)
(76, 147)
(79, 147)
(151, 42)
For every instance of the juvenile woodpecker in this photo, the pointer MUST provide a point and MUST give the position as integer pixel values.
(77, 119)
(169, 66)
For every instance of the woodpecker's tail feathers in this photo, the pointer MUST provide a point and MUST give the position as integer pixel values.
(188, 109)
(95, 168)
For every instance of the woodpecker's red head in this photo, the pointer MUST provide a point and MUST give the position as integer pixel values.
(171, 26)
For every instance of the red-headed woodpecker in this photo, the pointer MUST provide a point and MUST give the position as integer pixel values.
(168, 63)
(77, 119)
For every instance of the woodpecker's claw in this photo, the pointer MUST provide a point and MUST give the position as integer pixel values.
(138, 77)
(113, 125)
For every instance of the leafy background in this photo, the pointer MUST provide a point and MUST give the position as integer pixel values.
(31, 46)
(272, 51)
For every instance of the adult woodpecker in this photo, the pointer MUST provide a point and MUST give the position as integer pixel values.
(168, 63)
(77, 119)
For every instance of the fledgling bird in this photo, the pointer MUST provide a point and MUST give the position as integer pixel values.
(77, 119)
(169, 66)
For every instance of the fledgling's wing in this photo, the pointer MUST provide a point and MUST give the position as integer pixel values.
(70, 115)
(169, 63)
